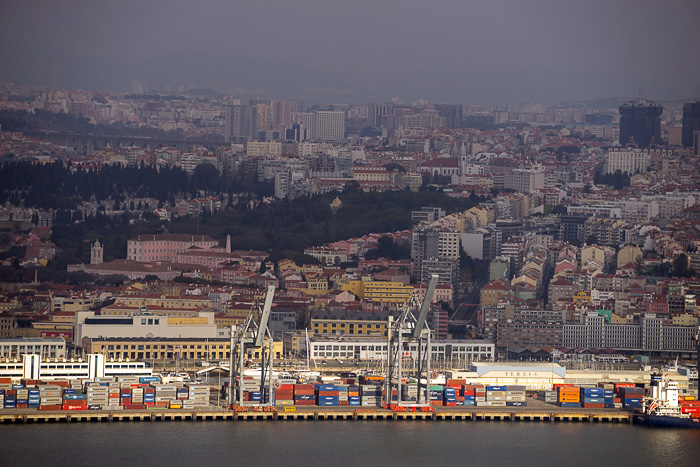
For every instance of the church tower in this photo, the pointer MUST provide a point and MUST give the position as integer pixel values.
(96, 252)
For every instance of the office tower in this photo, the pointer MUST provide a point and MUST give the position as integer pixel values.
(452, 113)
(241, 123)
(375, 113)
(329, 125)
(641, 121)
(691, 123)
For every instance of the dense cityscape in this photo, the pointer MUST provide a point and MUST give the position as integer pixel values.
(345, 220)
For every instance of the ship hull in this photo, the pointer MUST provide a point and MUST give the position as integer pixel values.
(660, 421)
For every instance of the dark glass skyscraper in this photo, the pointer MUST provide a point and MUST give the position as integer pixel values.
(640, 120)
(691, 122)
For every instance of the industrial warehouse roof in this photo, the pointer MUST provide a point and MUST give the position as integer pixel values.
(484, 368)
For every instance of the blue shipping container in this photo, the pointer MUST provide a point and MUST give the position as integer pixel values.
(496, 388)
(516, 403)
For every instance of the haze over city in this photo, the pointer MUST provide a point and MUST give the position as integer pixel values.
(486, 52)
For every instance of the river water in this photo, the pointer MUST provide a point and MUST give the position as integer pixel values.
(346, 443)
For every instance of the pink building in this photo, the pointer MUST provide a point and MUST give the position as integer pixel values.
(166, 247)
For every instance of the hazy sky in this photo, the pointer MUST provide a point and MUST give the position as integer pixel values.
(525, 49)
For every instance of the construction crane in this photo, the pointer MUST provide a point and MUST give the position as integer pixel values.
(410, 328)
(253, 334)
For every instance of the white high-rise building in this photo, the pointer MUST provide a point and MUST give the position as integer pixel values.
(329, 125)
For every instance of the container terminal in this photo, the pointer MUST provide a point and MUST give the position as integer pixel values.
(37, 389)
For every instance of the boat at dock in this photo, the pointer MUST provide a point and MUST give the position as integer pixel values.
(664, 408)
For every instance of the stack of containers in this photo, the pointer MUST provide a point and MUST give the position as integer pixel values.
(327, 395)
(515, 396)
(98, 395)
(304, 394)
(371, 395)
(568, 396)
(458, 386)
(199, 394)
(469, 391)
(113, 395)
(690, 407)
(496, 396)
(74, 400)
(10, 399)
(436, 394)
(480, 396)
(409, 391)
(354, 395)
(182, 394)
(22, 398)
(2, 398)
(631, 397)
(608, 394)
(342, 395)
(449, 397)
(593, 398)
(137, 395)
(149, 397)
(33, 398)
(125, 396)
(49, 397)
(550, 396)
(284, 394)
(165, 393)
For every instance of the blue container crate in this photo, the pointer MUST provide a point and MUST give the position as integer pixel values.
(33, 391)
(466, 402)
(22, 401)
(17, 386)
(74, 397)
(609, 405)
(149, 379)
(354, 403)
(304, 397)
(469, 398)
(325, 387)
(516, 403)
(570, 404)
(594, 400)
(496, 388)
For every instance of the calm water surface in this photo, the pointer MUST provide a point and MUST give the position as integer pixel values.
(346, 443)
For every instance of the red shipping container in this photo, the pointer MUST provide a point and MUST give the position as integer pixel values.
(21, 406)
(162, 404)
(593, 405)
(450, 404)
(49, 407)
(328, 393)
(286, 387)
(343, 402)
(135, 407)
(309, 402)
(74, 407)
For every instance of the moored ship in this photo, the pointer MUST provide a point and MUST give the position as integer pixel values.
(664, 407)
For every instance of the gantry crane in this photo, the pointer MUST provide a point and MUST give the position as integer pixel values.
(253, 334)
(410, 328)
